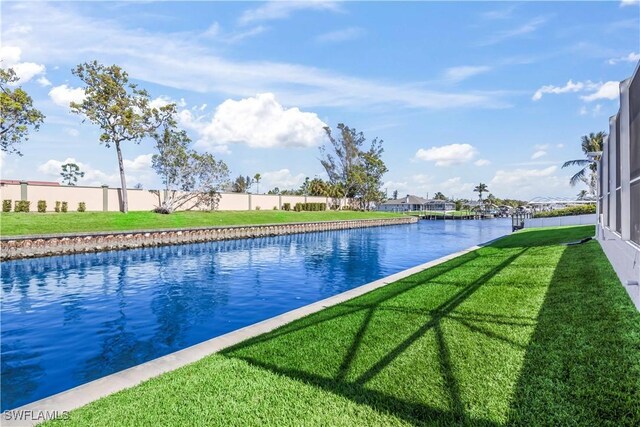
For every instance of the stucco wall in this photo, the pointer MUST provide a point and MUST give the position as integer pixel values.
(142, 200)
(589, 219)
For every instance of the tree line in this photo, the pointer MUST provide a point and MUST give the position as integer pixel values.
(124, 113)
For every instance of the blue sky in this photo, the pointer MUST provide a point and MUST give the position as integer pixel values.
(461, 92)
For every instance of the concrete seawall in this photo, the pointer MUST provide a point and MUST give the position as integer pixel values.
(61, 244)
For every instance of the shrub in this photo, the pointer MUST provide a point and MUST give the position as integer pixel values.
(257, 208)
(82, 207)
(312, 207)
(6, 206)
(64, 206)
(42, 206)
(57, 208)
(22, 206)
(162, 210)
(571, 210)
(286, 206)
(275, 208)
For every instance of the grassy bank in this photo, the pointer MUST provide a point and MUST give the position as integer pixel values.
(12, 224)
(526, 331)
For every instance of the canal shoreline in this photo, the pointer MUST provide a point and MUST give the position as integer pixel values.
(60, 404)
(21, 247)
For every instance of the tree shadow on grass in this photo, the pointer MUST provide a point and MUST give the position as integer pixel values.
(267, 352)
(582, 365)
(531, 238)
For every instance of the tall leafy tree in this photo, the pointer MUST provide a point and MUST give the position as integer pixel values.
(189, 177)
(304, 188)
(353, 170)
(373, 169)
(70, 173)
(317, 187)
(241, 184)
(256, 178)
(481, 188)
(395, 195)
(18, 113)
(588, 167)
(120, 108)
(341, 159)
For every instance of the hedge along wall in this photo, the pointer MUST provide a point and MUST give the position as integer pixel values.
(37, 246)
(110, 199)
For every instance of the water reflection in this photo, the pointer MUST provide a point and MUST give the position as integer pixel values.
(71, 319)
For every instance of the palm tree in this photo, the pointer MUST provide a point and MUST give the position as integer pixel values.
(481, 188)
(439, 196)
(590, 143)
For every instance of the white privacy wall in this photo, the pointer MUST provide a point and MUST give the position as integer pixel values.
(589, 219)
(110, 199)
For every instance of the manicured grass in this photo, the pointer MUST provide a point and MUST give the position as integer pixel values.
(526, 331)
(12, 224)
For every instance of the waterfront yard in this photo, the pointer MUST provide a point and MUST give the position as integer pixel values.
(526, 331)
(12, 224)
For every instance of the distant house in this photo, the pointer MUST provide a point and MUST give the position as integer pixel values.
(415, 203)
(440, 205)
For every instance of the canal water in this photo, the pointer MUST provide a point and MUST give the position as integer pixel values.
(68, 320)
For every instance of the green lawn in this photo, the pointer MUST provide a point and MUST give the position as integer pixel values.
(525, 332)
(12, 223)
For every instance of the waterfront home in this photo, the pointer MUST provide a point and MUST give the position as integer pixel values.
(415, 203)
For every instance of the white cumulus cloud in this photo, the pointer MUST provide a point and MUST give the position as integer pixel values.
(25, 71)
(64, 95)
(43, 81)
(283, 179)
(632, 57)
(608, 90)
(569, 87)
(140, 163)
(447, 155)
(259, 122)
(52, 168)
(136, 170)
(482, 162)
(538, 154)
(526, 184)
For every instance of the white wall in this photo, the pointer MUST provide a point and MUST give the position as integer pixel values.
(142, 200)
(557, 221)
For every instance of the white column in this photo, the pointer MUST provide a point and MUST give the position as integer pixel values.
(613, 167)
(605, 181)
(624, 139)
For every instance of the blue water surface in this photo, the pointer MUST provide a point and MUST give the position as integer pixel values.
(67, 320)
